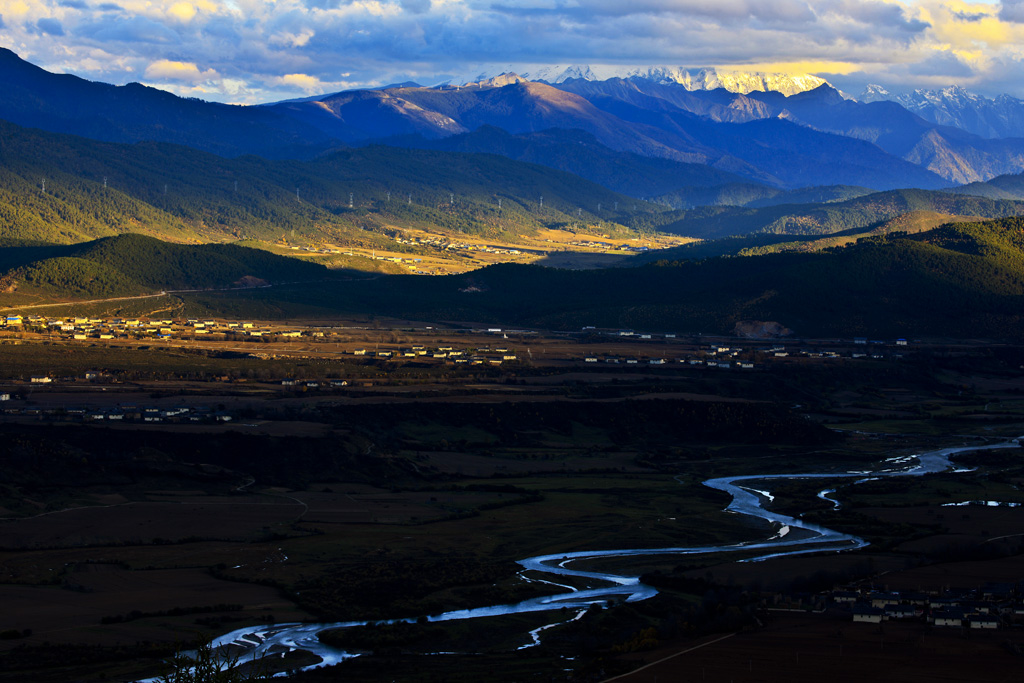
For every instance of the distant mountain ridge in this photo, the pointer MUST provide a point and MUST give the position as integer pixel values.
(953, 154)
(1001, 117)
(755, 135)
(625, 116)
(580, 153)
(63, 103)
(706, 78)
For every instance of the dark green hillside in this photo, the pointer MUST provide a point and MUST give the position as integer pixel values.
(759, 196)
(759, 244)
(134, 264)
(72, 209)
(184, 195)
(1002, 187)
(958, 280)
(711, 222)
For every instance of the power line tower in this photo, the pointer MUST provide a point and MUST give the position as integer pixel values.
(542, 202)
(44, 185)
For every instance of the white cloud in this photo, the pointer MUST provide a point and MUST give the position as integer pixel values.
(182, 11)
(180, 72)
(254, 46)
(309, 84)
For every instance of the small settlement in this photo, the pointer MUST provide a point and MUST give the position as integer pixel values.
(988, 607)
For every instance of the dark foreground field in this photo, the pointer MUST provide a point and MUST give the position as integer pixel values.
(120, 544)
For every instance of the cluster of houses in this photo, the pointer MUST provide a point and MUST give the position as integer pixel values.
(993, 606)
(712, 363)
(445, 244)
(126, 412)
(726, 357)
(316, 250)
(84, 328)
(717, 356)
(595, 244)
(478, 356)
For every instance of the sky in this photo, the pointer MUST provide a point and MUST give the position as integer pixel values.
(250, 51)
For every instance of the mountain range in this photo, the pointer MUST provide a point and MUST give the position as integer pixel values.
(813, 136)
(1000, 117)
(857, 196)
(691, 79)
(63, 189)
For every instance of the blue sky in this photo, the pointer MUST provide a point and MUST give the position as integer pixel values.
(251, 51)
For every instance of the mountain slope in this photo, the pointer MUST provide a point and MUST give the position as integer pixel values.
(134, 112)
(579, 153)
(759, 196)
(511, 104)
(134, 264)
(759, 244)
(823, 219)
(765, 151)
(952, 153)
(96, 189)
(1001, 187)
(1001, 117)
(963, 280)
(652, 114)
(786, 152)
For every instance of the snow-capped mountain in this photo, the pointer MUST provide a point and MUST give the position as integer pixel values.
(692, 79)
(1002, 117)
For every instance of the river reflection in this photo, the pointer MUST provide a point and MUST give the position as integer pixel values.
(792, 536)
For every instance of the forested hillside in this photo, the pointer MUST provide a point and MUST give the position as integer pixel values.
(59, 188)
(710, 222)
(964, 279)
(134, 264)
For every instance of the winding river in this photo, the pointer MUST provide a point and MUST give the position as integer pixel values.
(792, 536)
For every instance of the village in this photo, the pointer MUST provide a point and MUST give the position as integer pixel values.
(588, 346)
(988, 607)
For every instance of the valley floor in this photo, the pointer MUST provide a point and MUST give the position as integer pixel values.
(279, 480)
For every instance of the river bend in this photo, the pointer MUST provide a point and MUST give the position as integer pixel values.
(792, 536)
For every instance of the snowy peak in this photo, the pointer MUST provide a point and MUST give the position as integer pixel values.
(529, 72)
(954, 106)
(741, 82)
(498, 81)
(875, 93)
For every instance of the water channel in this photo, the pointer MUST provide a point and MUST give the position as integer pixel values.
(792, 536)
